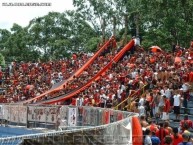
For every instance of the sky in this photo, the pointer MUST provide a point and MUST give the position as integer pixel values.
(23, 14)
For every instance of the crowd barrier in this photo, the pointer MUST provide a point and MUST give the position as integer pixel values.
(54, 116)
(72, 124)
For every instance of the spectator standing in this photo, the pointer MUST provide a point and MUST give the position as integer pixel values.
(166, 109)
(177, 104)
(154, 139)
(186, 138)
(147, 140)
(161, 133)
(177, 138)
(185, 124)
(168, 140)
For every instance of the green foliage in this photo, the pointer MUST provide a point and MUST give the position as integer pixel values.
(2, 60)
(92, 43)
(56, 35)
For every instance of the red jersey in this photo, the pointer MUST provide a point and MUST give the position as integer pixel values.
(161, 133)
(167, 106)
(189, 122)
(191, 77)
(177, 139)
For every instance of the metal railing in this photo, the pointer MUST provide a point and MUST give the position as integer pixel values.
(131, 97)
(104, 131)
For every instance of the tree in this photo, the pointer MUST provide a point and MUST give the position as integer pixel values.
(2, 60)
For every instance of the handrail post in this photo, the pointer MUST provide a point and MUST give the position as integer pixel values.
(129, 96)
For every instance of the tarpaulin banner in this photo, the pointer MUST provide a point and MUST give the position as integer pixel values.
(106, 116)
(13, 110)
(125, 114)
(6, 110)
(100, 116)
(15, 113)
(86, 116)
(37, 113)
(113, 116)
(72, 116)
(120, 116)
(1, 111)
(63, 116)
(79, 117)
(52, 114)
(22, 114)
(93, 116)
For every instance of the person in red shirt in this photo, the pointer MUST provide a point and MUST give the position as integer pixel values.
(153, 127)
(166, 109)
(161, 133)
(185, 124)
(176, 137)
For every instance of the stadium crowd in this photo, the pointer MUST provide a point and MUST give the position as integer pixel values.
(167, 77)
(26, 80)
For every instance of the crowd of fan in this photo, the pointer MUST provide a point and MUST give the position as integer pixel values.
(21, 81)
(163, 134)
(169, 88)
(168, 77)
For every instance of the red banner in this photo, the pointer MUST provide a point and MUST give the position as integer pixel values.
(106, 116)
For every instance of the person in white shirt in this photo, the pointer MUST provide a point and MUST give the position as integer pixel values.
(79, 101)
(177, 104)
(103, 98)
(119, 91)
(168, 92)
(147, 140)
(141, 101)
(185, 89)
(141, 109)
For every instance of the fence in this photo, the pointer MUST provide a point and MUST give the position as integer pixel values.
(52, 117)
(89, 125)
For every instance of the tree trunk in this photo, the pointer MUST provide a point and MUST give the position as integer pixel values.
(114, 26)
(103, 30)
(126, 28)
(137, 24)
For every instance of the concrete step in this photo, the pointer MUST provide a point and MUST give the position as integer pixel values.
(172, 116)
(188, 111)
(190, 104)
(191, 98)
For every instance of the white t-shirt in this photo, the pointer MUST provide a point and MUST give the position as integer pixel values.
(177, 100)
(155, 75)
(79, 101)
(141, 110)
(123, 87)
(185, 87)
(141, 101)
(103, 98)
(133, 74)
(147, 140)
(119, 91)
(168, 93)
